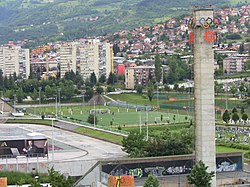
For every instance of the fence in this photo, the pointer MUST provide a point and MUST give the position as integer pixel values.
(121, 104)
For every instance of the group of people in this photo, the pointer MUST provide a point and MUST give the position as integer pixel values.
(233, 134)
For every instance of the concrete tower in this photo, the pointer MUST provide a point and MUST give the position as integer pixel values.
(204, 88)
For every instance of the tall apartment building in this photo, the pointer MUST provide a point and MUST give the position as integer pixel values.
(97, 57)
(87, 57)
(15, 59)
(67, 58)
(234, 64)
(138, 75)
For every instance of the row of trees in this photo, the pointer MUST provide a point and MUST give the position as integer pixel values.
(234, 115)
(166, 143)
(72, 84)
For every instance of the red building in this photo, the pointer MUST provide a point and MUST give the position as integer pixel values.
(120, 69)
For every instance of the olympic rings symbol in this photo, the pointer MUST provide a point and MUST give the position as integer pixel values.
(204, 22)
(190, 23)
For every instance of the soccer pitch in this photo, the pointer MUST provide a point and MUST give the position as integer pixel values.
(116, 117)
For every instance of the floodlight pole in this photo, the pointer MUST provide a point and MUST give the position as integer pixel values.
(94, 113)
(53, 143)
(59, 100)
(14, 103)
(39, 95)
(56, 106)
(140, 121)
(147, 122)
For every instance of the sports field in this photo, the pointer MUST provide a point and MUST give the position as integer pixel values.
(114, 116)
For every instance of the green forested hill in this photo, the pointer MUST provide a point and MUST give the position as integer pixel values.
(48, 19)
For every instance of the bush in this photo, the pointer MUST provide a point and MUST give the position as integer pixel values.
(18, 177)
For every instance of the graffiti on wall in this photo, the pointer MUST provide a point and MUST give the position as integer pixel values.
(226, 166)
(164, 168)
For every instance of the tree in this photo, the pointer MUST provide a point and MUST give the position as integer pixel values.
(235, 117)
(151, 181)
(88, 94)
(102, 79)
(49, 91)
(241, 48)
(1, 79)
(233, 89)
(111, 78)
(242, 110)
(68, 89)
(93, 79)
(110, 89)
(134, 144)
(199, 175)
(226, 116)
(35, 95)
(58, 180)
(116, 49)
(158, 68)
(176, 86)
(92, 119)
(19, 95)
(70, 75)
(139, 88)
(248, 64)
(234, 110)
(150, 92)
(99, 90)
(78, 80)
(244, 117)
(35, 183)
(5, 82)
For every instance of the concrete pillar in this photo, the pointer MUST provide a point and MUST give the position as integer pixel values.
(204, 93)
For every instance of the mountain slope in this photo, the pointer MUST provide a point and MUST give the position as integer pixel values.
(48, 19)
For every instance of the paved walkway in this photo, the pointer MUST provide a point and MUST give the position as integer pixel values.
(86, 148)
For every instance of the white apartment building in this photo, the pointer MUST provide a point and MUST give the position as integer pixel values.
(14, 59)
(67, 58)
(87, 57)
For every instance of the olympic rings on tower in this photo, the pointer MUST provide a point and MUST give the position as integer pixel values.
(204, 22)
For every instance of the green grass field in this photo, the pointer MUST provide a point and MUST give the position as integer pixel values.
(118, 116)
(223, 149)
(175, 111)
